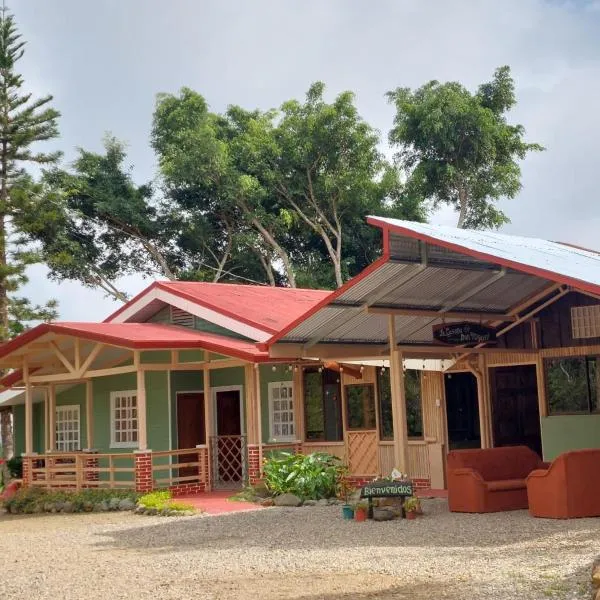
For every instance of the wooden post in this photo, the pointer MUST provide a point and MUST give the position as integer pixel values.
(260, 447)
(89, 414)
(252, 410)
(487, 397)
(483, 429)
(46, 419)
(28, 409)
(398, 401)
(52, 417)
(541, 385)
(141, 406)
(298, 393)
(208, 422)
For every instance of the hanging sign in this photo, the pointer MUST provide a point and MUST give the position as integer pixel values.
(457, 334)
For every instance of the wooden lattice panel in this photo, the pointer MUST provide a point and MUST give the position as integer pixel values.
(229, 453)
(363, 452)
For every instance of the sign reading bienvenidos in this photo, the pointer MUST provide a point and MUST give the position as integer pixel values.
(464, 333)
(384, 489)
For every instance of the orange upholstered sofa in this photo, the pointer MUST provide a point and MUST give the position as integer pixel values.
(491, 479)
(569, 488)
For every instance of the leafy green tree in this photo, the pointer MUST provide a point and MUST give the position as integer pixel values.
(458, 147)
(331, 174)
(95, 224)
(213, 167)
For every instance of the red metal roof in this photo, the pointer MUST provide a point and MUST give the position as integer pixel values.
(143, 336)
(265, 307)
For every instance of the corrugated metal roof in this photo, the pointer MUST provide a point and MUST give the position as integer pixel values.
(442, 269)
(522, 253)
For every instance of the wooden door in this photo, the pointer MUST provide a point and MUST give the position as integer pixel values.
(229, 436)
(462, 411)
(515, 409)
(191, 427)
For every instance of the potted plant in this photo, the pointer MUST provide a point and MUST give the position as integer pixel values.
(360, 511)
(344, 489)
(411, 507)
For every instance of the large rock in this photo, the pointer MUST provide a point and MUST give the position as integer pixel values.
(126, 504)
(287, 500)
(114, 504)
(382, 514)
(310, 503)
(101, 506)
(596, 574)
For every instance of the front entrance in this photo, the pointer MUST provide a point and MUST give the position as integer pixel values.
(191, 427)
(229, 444)
(515, 409)
(462, 411)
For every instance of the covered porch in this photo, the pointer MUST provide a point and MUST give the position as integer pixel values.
(134, 405)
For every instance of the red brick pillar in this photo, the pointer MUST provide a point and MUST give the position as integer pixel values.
(298, 448)
(143, 471)
(27, 466)
(254, 466)
(90, 462)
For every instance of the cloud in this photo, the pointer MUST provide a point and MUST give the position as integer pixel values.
(105, 61)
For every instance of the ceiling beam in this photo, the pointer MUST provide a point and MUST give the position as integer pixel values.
(448, 314)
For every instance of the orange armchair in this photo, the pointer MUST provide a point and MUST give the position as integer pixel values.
(570, 488)
(491, 479)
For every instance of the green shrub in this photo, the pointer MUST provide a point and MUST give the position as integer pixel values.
(15, 467)
(311, 476)
(33, 499)
(162, 500)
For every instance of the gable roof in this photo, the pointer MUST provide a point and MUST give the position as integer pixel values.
(431, 274)
(255, 311)
(140, 336)
(559, 262)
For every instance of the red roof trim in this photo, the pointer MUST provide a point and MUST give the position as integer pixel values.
(538, 272)
(202, 341)
(335, 294)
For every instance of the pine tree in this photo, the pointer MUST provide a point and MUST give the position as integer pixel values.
(24, 122)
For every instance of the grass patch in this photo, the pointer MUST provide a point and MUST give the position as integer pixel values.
(162, 502)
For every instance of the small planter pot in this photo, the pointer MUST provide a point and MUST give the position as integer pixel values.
(360, 514)
(347, 512)
(411, 515)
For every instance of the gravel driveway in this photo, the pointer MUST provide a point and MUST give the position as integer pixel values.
(306, 553)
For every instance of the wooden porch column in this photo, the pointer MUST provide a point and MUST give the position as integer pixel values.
(141, 406)
(46, 420)
(299, 402)
(208, 422)
(398, 401)
(28, 410)
(487, 399)
(89, 414)
(481, 406)
(252, 405)
(52, 417)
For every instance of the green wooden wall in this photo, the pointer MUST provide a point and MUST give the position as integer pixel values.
(569, 432)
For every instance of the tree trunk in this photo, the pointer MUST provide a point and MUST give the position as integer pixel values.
(464, 201)
(6, 433)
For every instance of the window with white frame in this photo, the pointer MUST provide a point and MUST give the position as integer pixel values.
(124, 419)
(67, 428)
(281, 411)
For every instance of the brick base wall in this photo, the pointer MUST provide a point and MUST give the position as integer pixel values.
(254, 467)
(143, 471)
(187, 489)
(421, 484)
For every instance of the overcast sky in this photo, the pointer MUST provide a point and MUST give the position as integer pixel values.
(105, 60)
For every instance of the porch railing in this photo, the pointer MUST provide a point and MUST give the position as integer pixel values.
(176, 467)
(229, 460)
(77, 470)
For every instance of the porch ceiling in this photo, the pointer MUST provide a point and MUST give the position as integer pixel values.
(424, 281)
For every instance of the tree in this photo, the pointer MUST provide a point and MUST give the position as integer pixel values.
(331, 174)
(213, 167)
(458, 148)
(293, 186)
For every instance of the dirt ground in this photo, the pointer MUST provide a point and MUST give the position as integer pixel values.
(303, 554)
